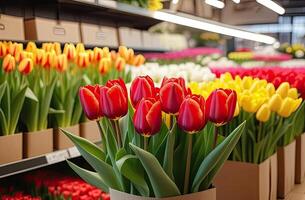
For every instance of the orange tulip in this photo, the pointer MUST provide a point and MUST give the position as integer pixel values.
(15, 48)
(61, 62)
(9, 63)
(56, 47)
(90, 55)
(48, 59)
(130, 56)
(31, 47)
(113, 55)
(25, 66)
(104, 65)
(80, 48)
(23, 54)
(3, 50)
(138, 60)
(47, 46)
(123, 51)
(120, 64)
(98, 54)
(70, 51)
(82, 60)
(106, 52)
(38, 56)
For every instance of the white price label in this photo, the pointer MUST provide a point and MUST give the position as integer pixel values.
(73, 151)
(57, 156)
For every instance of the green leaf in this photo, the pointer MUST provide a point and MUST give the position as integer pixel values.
(131, 167)
(214, 161)
(30, 95)
(2, 89)
(94, 156)
(92, 178)
(3, 123)
(16, 105)
(169, 153)
(162, 185)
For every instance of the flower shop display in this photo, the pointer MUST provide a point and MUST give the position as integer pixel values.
(274, 117)
(296, 50)
(189, 71)
(39, 92)
(145, 155)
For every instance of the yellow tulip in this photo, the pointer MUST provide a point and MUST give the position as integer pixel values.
(263, 113)
(275, 102)
(38, 56)
(270, 88)
(283, 89)
(25, 66)
(3, 50)
(293, 93)
(246, 82)
(80, 48)
(226, 77)
(47, 47)
(138, 60)
(56, 47)
(237, 110)
(70, 51)
(82, 59)
(61, 62)
(288, 106)
(98, 54)
(123, 51)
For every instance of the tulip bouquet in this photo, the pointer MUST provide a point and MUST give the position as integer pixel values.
(273, 116)
(144, 154)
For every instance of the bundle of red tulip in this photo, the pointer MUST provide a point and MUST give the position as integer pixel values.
(166, 158)
(19, 196)
(44, 81)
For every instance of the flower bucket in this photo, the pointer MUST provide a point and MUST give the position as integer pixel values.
(240, 180)
(61, 141)
(300, 159)
(90, 131)
(37, 143)
(204, 195)
(10, 148)
(286, 169)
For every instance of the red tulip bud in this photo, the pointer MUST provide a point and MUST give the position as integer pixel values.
(191, 116)
(148, 117)
(89, 98)
(221, 106)
(114, 99)
(141, 87)
(172, 93)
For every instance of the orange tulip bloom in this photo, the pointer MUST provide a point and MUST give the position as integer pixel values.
(56, 47)
(61, 62)
(98, 54)
(104, 65)
(3, 50)
(31, 47)
(70, 51)
(48, 59)
(120, 64)
(15, 48)
(25, 66)
(80, 48)
(82, 60)
(138, 60)
(9, 63)
(47, 46)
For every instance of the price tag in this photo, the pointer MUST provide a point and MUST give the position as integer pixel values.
(73, 152)
(57, 156)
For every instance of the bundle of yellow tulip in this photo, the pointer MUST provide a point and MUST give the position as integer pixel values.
(274, 116)
(49, 78)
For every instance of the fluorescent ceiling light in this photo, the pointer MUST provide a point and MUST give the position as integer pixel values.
(272, 6)
(215, 3)
(175, 1)
(212, 26)
(236, 1)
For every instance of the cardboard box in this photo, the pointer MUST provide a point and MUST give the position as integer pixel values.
(37, 143)
(286, 169)
(204, 195)
(99, 35)
(43, 29)
(147, 39)
(11, 28)
(130, 37)
(10, 148)
(247, 181)
(61, 141)
(90, 131)
(300, 159)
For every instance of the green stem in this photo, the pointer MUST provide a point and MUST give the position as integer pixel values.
(145, 143)
(188, 164)
(215, 136)
(118, 133)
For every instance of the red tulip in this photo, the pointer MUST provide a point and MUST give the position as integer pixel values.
(191, 117)
(172, 93)
(221, 106)
(141, 87)
(148, 117)
(114, 99)
(89, 98)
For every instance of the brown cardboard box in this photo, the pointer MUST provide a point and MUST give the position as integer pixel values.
(43, 29)
(204, 195)
(90, 131)
(240, 180)
(300, 159)
(286, 169)
(37, 143)
(11, 27)
(61, 141)
(130, 37)
(99, 35)
(10, 148)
